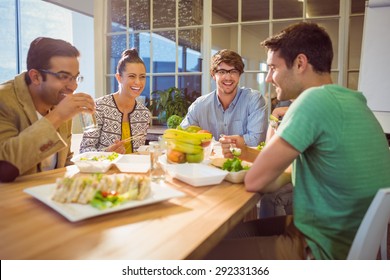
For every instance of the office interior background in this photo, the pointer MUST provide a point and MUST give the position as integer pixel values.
(175, 38)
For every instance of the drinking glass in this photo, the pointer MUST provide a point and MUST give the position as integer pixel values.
(88, 122)
(157, 171)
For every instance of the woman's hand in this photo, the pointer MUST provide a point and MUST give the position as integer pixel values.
(117, 147)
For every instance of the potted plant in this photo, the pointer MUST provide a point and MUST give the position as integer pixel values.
(172, 101)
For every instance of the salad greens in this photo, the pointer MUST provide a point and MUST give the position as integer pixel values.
(103, 200)
(235, 151)
(261, 146)
(109, 157)
(107, 199)
(234, 165)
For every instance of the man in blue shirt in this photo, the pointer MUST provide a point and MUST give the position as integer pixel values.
(230, 110)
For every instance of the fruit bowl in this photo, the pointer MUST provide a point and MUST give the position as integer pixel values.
(190, 145)
(199, 154)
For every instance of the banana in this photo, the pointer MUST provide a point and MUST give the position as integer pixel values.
(184, 147)
(173, 136)
(193, 128)
(186, 134)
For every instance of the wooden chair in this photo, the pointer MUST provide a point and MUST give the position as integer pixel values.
(75, 144)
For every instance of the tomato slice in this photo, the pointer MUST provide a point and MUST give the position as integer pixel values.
(109, 193)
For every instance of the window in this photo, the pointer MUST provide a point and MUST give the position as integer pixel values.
(259, 20)
(176, 39)
(24, 20)
(167, 35)
(9, 45)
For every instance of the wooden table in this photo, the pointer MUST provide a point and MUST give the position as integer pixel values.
(180, 228)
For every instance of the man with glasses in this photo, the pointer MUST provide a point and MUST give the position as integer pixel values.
(36, 110)
(230, 110)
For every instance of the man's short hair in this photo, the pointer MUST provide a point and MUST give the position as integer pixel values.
(42, 49)
(229, 57)
(303, 38)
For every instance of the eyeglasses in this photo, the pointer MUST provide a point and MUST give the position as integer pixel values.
(64, 77)
(232, 72)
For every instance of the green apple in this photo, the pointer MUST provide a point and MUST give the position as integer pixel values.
(194, 158)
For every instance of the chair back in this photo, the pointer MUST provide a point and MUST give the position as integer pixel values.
(75, 143)
(372, 232)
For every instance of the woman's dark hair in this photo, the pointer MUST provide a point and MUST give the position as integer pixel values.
(128, 56)
(229, 57)
(42, 49)
(303, 38)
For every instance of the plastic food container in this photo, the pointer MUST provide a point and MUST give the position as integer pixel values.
(96, 162)
(236, 177)
(134, 163)
(196, 174)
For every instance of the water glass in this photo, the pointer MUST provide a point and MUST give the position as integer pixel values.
(88, 122)
(157, 171)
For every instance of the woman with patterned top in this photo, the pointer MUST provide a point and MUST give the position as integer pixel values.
(119, 115)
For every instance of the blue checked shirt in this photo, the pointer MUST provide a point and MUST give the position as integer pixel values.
(246, 116)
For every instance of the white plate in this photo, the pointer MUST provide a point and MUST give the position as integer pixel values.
(197, 174)
(75, 212)
(93, 166)
(134, 163)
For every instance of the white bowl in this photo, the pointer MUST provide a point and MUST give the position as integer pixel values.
(236, 177)
(86, 163)
(233, 177)
(196, 174)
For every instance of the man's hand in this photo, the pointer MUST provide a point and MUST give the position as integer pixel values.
(71, 105)
(279, 112)
(231, 141)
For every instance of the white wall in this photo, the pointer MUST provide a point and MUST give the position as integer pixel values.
(83, 39)
(374, 79)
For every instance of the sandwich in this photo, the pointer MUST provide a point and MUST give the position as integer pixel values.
(101, 191)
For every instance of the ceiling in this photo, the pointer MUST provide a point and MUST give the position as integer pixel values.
(85, 6)
(251, 9)
(259, 9)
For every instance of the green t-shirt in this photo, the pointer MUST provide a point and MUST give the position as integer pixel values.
(344, 160)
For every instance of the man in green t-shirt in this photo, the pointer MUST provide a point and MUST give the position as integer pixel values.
(337, 149)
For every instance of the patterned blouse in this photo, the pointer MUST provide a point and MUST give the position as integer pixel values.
(109, 120)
